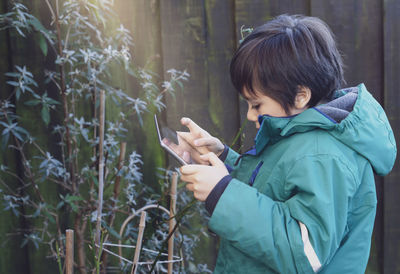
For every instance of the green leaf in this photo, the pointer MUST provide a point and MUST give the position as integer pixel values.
(24, 242)
(42, 44)
(21, 130)
(45, 114)
(17, 93)
(74, 207)
(52, 102)
(32, 102)
(60, 205)
(16, 134)
(38, 25)
(73, 198)
(51, 218)
(94, 179)
(111, 230)
(4, 140)
(12, 74)
(13, 83)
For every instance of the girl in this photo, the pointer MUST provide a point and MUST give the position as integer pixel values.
(303, 199)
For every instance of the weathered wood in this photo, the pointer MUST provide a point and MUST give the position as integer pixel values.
(101, 170)
(357, 26)
(26, 52)
(184, 47)
(142, 18)
(69, 251)
(172, 221)
(223, 100)
(391, 53)
(139, 241)
(186, 32)
(13, 258)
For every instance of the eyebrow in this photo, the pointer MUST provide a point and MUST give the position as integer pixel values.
(246, 97)
(250, 99)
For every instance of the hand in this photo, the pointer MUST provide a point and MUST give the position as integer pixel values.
(201, 141)
(181, 149)
(202, 179)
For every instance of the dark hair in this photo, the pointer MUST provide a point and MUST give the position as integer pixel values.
(286, 53)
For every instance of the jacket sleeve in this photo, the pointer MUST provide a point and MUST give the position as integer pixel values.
(300, 234)
(231, 156)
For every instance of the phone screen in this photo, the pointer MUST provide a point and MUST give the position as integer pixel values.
(171, 141)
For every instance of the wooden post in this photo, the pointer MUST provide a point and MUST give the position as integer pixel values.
(69, 252)
(142, 225)
(172, 220)
(101, 168)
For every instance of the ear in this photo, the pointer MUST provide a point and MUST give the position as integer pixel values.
(303, 96)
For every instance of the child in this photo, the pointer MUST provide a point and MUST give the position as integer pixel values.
(303, 199)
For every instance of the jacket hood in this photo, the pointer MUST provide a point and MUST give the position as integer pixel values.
(353, 117)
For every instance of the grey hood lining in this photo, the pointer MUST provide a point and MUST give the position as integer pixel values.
(338, 109)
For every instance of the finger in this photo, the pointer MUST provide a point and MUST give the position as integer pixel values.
(174, 147)
(207, 141)
(190, 169)
(212, 159)
(166, 141)
(186, 178)
(186, 157)
(187, 136)
(190, 187)
(193, 127)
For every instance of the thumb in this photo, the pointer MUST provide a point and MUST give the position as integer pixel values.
(212, 159)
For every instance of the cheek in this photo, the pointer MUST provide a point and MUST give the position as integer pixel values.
(274, 110)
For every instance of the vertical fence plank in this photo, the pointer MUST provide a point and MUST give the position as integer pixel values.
(13, 258)
(198, 36)
(357, 25)
(26, 52)
(184, 47)
(142, 18)
(250, 13)
(391, 232)
(223, 107)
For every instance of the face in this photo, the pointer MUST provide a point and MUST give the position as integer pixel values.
(261, 104)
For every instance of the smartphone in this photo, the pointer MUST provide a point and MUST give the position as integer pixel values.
(170, 142)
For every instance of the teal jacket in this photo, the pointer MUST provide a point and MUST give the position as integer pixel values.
(303, 199)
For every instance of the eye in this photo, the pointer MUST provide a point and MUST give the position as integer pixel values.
(255, 106)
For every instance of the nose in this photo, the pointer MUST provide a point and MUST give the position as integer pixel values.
(251, 115)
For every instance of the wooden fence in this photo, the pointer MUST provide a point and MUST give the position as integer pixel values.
(201, 36)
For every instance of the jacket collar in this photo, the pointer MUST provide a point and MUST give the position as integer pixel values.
(273, 129)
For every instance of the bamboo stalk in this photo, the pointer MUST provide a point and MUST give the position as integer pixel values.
(101, 167)
(69, 251)
(80, 244)
(142, 225)
(172, 220)
(114, 204)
